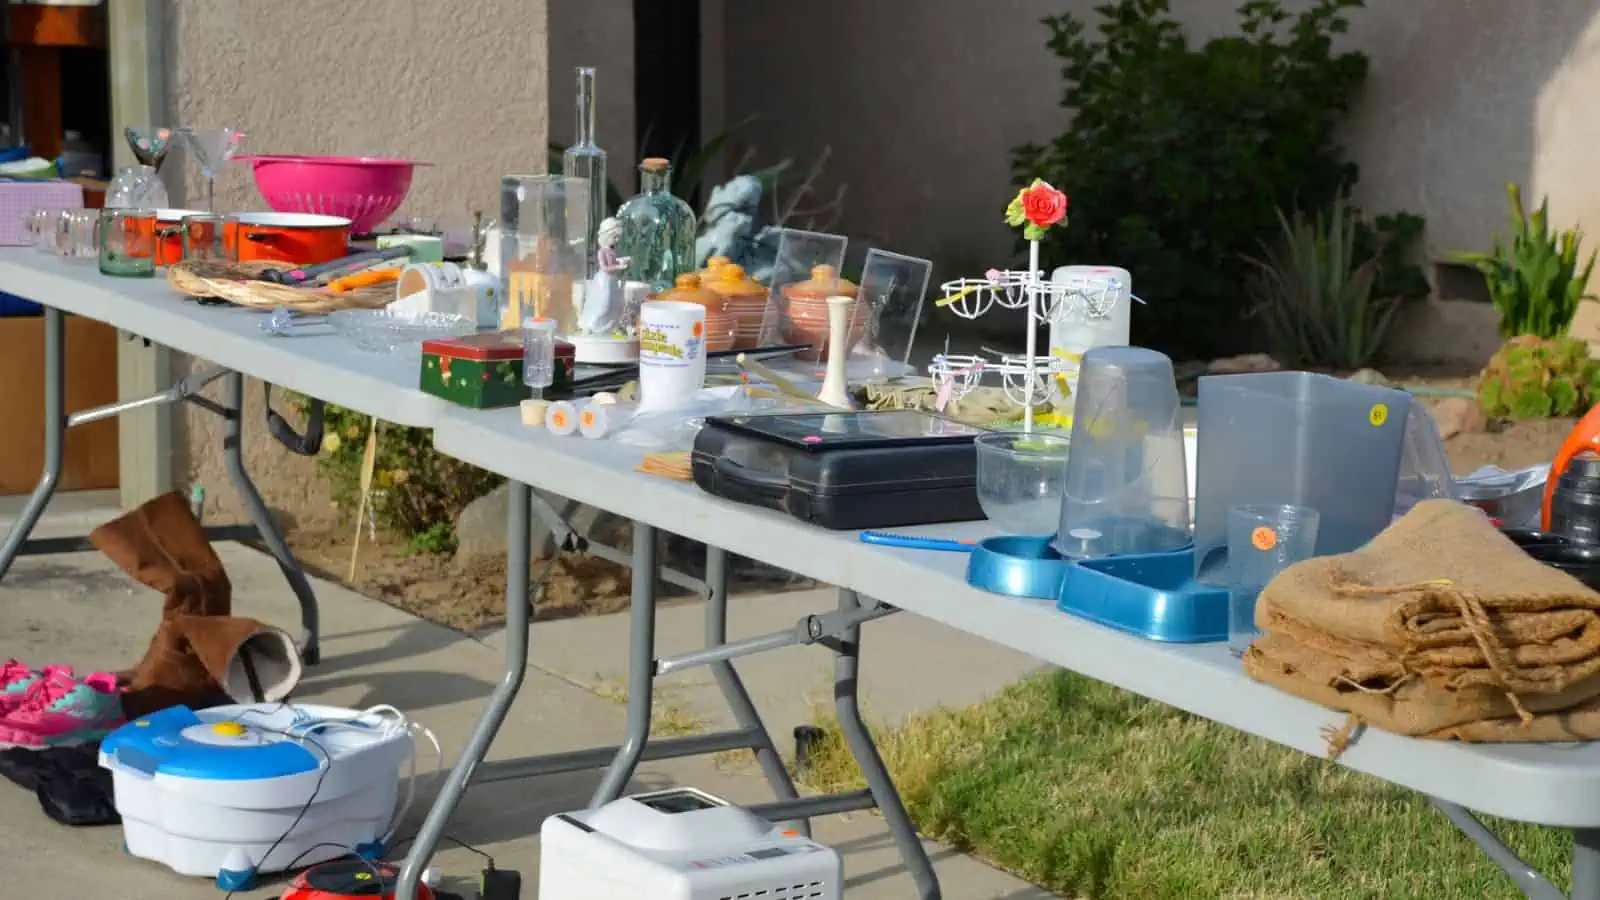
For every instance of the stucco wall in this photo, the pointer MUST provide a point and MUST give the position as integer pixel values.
(463, 86)
(922, 110)
(597, 33)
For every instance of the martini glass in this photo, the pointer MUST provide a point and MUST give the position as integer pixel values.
(212, 148)
(149, 143)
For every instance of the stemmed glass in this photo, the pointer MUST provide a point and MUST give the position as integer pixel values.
(149, 143)
(212, 148)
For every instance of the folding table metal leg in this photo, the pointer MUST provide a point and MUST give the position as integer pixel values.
(55, 432)
(847, 707)
(233, 455)
(732, 686)
(1527, 879)
(1585, 864)
(641, 668)
(518, 561)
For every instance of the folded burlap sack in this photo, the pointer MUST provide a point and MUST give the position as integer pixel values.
(1394, 700)
(1440, 627)
(1542, 652)
(1440, 576)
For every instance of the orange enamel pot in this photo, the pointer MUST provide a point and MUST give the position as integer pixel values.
(169, 235)
(302, 239)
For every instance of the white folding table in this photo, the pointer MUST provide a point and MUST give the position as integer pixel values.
(1548, 784)
(322, 367)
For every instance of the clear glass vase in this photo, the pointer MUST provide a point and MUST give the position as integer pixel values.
(587, 161)
(137, 187)
(657, 229)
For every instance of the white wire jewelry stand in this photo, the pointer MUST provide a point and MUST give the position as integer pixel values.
(1026, 379)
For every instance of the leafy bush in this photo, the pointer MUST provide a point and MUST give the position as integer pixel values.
(1534, 282)
(1535, 378)
(417, 492)
(1319, 288)
(1178, 158)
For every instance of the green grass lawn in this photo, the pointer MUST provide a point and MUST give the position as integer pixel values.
(1094, 793)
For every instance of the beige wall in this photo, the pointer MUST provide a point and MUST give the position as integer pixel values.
(922, 110)
(460, 85)
(597, 33)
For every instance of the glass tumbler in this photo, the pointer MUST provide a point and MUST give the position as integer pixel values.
(75, 233)
(128, 242)
(1262, 541)
(204, 237)
(37, 227)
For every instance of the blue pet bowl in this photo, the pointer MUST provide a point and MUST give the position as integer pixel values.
(1151, 595)
(1018, 566)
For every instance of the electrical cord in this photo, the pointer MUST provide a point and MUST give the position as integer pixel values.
(487, 859)
(299, 732)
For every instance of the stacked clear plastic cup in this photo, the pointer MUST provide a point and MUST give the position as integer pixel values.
(1263, 540)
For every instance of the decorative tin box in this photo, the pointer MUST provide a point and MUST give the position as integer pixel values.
(484, 371)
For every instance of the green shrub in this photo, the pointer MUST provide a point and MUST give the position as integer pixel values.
(1178, 158)
(417, 492)
(1534, 281)
(1319, 287)
(1536, 378)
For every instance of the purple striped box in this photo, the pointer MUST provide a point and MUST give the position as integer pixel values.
(20, 195)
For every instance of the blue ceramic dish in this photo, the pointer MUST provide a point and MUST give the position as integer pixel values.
(1018, 566)
(1151, 595)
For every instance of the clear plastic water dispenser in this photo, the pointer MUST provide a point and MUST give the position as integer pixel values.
(1126, 488)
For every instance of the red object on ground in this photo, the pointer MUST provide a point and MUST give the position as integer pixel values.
(349, 879)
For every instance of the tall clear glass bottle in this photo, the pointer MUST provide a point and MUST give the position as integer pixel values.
(586, 161)
(657, 229)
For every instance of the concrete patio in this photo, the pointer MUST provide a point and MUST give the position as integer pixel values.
(78, 609)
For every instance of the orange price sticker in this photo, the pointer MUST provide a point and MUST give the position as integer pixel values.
(587, 418)
(559, 420)
(1264, 538)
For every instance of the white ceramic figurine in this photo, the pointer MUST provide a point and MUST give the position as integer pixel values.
(603, 312)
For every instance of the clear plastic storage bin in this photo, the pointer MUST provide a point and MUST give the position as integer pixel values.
(1296, 438)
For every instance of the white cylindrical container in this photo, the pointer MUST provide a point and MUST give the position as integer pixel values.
(672, 353)
(1095, 311)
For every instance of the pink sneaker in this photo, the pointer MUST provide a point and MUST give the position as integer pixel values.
(60, 712)
(16, 678)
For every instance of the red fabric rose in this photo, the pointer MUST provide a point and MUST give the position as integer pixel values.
(1044, 205)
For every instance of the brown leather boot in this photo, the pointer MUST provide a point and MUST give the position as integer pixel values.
(201, 661)
(162, 545)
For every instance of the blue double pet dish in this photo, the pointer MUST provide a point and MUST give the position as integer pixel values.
(1154, 595)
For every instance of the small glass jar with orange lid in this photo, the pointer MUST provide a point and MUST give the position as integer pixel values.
(747, 301)
(719, 323)
(806, 310)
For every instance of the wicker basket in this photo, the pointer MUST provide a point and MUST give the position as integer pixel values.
(237, 284)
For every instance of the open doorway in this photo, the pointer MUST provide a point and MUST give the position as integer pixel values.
(57, 87)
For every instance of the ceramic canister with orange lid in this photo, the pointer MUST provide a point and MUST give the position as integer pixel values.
(719, 323)
(712, 265)
(806, 310)
(747, 301)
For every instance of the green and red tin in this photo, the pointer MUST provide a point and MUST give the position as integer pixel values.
(484, 371)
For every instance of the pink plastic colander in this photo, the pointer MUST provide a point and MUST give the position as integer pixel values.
(359, 188)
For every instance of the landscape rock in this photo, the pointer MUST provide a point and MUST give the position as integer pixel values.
(481, 527)
(1458, 415)
(1369, 376)
(1239, 365)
